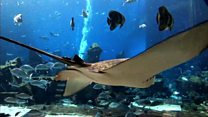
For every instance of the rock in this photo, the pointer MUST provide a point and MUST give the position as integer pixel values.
(93, 53)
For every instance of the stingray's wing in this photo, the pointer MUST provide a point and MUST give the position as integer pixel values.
(139, 70)
(75, 81)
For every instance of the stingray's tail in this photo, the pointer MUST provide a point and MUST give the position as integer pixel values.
(61, 59)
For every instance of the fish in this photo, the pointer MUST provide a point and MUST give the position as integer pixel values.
(72, 24)
(18, 19)
(164, 19)
(98, 86)
(18, 85)
(59, 65)
(57, 13)
(84, 13)
(39, 83)
(128, 1)
(17, 113)
(44, 37)
(27, 68)
(42, 67)
(49, 65)
(115, 18)
(139, 70)
(142, 26)
(19, 73)
(11, 100)
(24, 96)
(53, 34)
(9, 54)
(8, 93)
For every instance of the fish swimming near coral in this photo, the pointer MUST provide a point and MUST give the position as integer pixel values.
(138, 71)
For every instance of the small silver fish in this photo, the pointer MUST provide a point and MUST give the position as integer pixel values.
(39, 83)
(11, 100)
(98, 86)
(59, 65)
(9, 54)
(49, 64)
(18, 19)
(19, 73)
(41, 67)
(27, 68)
(128, 1)
(24, 96)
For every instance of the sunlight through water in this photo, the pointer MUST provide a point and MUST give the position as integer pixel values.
(85, 30)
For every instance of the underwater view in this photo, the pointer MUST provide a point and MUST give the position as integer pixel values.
(103, 58)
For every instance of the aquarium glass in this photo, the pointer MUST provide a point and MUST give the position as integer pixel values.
(47, 25)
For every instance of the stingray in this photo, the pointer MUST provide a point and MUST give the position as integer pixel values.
(138, 71)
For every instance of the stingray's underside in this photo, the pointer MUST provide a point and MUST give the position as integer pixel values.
(139, 71)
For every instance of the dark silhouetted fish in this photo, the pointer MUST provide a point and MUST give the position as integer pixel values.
(84, 13)
(72, 24)
(115, 18)
(164, 19)
(17, 113)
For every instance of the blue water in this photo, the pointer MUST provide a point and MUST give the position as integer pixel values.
(42, 17)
